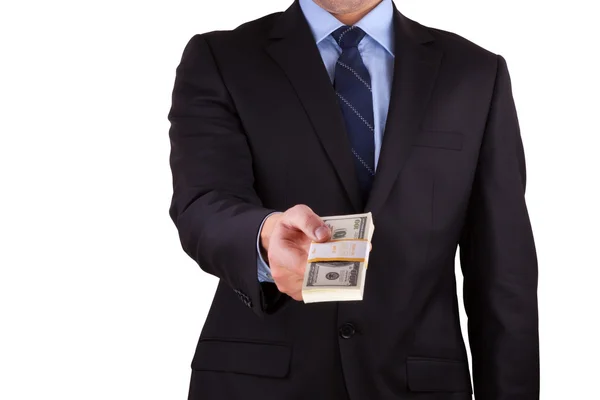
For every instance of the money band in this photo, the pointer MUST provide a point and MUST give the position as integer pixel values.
(339, 250)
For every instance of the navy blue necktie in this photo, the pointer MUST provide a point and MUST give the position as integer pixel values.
(352, 84)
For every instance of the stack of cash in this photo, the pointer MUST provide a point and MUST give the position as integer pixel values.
(336, 270)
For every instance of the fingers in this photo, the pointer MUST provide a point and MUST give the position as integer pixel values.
(296, 295)
(287, 255)
(288, 282)
(305, 220)
(288, 247)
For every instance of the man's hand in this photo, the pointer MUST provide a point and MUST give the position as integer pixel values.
(286, 239)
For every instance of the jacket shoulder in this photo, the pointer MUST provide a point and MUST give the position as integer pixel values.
(456, 46)
(255, 31)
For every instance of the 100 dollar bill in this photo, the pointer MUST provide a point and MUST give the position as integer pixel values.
(339, 280)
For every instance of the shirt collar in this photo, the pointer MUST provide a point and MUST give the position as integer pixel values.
(378, 23)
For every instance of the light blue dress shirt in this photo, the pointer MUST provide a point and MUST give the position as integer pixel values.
(377, 52)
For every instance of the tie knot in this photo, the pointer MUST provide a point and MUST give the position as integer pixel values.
(348, 36)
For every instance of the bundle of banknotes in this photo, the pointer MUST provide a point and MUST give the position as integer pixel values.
(337, 269)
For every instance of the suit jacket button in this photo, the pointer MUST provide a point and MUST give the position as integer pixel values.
(347, 331)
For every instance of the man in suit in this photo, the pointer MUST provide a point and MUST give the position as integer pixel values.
(338, 107)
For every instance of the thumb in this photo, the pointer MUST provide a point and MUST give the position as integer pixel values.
(304, 219)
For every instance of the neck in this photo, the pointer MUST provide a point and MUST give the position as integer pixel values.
(353, 17)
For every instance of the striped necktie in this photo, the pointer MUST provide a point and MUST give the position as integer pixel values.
(352, 84)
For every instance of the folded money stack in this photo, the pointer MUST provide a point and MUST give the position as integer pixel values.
(337, 269)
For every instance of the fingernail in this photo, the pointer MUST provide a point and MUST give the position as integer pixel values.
(322, 232)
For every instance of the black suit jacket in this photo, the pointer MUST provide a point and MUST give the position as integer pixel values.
(256, 127)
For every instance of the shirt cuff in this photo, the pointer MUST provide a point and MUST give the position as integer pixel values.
(264, 272)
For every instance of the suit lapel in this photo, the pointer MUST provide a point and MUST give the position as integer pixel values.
(415, 71)
(292, 46)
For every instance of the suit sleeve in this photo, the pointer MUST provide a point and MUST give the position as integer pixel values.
(499, 263)
(214, 206)
(263, 269)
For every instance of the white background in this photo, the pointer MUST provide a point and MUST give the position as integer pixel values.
(97, 299)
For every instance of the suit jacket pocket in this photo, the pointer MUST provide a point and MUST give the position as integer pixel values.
(439, 139)
(437, 375)
(262, 359)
